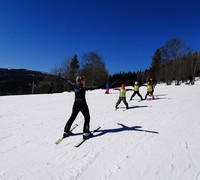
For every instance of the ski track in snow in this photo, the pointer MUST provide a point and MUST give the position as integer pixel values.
(152, 140)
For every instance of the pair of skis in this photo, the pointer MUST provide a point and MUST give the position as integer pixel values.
(60, 139)
(82, 140)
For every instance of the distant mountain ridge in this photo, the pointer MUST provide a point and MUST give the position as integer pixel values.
(23, 81)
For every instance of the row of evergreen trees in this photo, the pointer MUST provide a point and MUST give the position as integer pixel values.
(174, 61)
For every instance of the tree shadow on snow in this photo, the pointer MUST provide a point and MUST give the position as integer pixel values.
(123, 128)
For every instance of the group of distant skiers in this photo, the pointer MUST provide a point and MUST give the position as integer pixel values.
(122, 95)
(80, 104)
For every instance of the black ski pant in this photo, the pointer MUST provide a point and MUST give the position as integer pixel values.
(79, 106)
(136, 92)
(121, 99)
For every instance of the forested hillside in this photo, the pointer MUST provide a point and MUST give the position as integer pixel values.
(22, 81)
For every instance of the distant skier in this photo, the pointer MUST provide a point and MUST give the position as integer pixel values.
(136, 91)
(191, 80)
(153, 84)
(122, 96)
(150, 90)
(107, 88)
(80, 105)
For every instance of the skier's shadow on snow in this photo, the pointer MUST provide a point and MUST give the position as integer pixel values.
(132, 107)
(123, 128)
(161, 96)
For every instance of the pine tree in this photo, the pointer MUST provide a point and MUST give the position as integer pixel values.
(73, 68)
(155, 66)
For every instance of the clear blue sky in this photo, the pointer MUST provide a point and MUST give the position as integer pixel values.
(40, 34)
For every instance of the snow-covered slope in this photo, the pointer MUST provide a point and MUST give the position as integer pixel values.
(155, 140)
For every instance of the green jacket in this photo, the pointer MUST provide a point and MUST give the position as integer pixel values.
(122, 93)
(136, 88)
(149, 88)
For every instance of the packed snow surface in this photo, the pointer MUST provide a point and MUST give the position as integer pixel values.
(153, 140)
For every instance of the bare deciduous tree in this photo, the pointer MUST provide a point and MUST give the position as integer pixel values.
(93, 67)
(172, 53)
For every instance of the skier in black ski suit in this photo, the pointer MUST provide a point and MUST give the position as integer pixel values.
(80, 105)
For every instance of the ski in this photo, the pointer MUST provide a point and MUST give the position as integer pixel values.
(121, 108)
(60, 139)
(83, 140)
